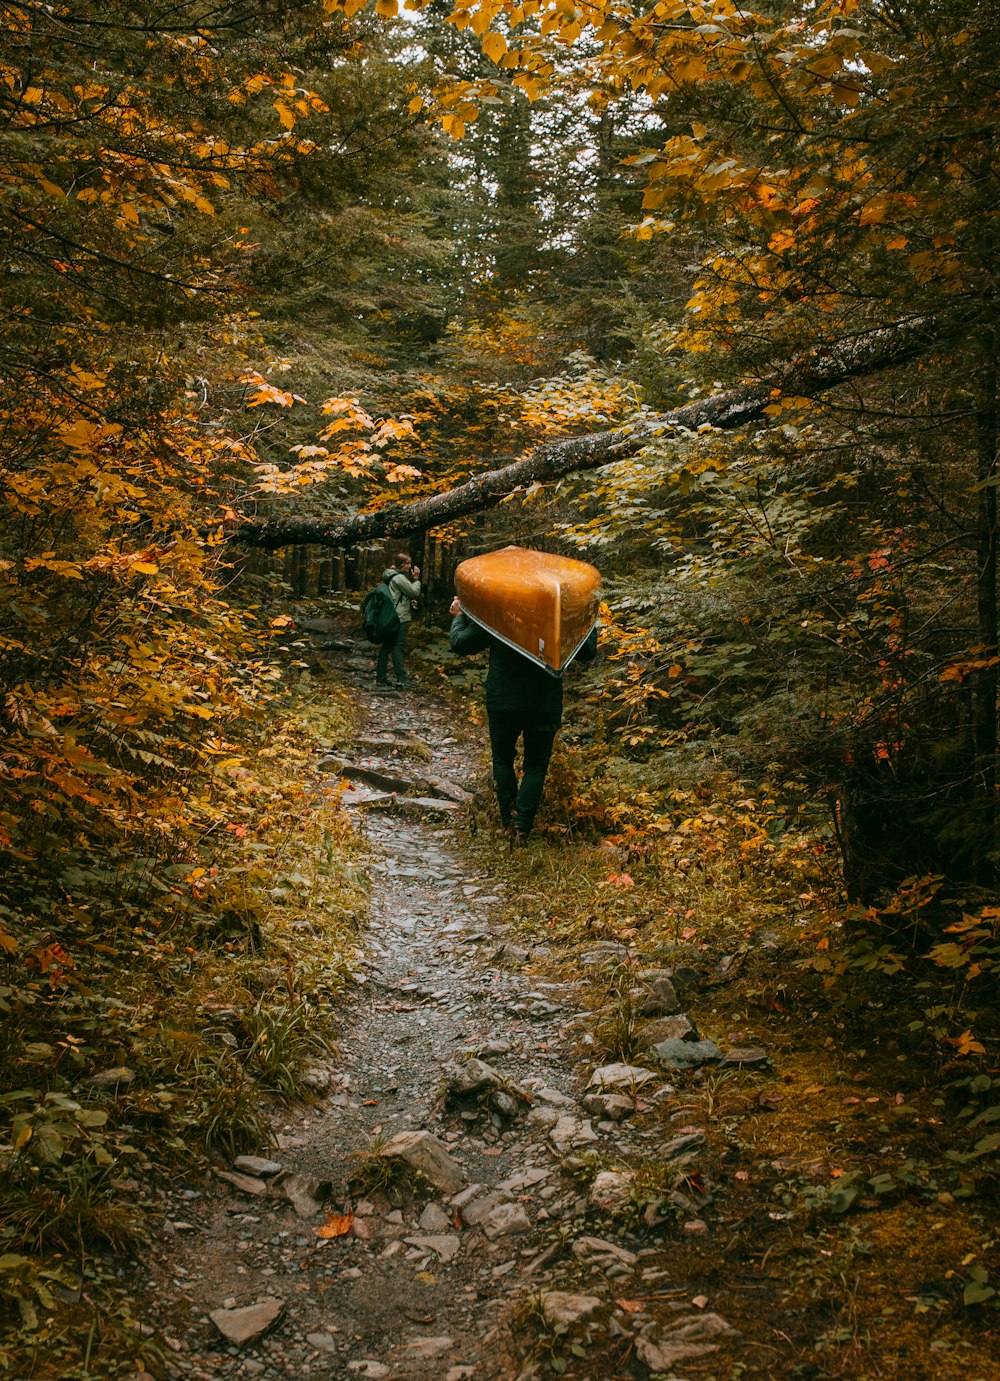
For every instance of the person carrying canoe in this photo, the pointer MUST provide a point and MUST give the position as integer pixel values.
(523, 700)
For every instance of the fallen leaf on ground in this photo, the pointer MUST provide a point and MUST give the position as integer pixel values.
(336, 1225)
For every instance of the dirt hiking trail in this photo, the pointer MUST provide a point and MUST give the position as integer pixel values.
(437, 1213)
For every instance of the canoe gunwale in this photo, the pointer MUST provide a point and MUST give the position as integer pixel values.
(528, 656)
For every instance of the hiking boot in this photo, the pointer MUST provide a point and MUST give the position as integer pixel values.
(516, 839)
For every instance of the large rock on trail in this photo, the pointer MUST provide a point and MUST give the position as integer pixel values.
(242, 1326)
(424, 1153)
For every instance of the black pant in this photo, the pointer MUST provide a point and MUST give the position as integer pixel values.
(519, 802)
(394, 649)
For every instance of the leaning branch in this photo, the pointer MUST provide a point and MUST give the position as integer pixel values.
(818, 371)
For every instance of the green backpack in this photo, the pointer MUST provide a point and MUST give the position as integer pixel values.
(378, 614)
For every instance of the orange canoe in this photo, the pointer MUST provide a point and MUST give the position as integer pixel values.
(543, 606)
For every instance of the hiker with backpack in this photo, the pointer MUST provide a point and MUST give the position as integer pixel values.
(389, 611)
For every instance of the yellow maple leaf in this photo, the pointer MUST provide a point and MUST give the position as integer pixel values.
(494, 46)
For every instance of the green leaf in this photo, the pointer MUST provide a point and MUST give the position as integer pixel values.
(978, 1288)
(844, 1199)
(92, 1119)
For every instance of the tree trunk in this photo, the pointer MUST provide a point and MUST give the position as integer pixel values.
(820, 370)
(987, 680)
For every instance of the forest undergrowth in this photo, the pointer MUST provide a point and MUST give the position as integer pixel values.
(851, 1180)
(158, 1038)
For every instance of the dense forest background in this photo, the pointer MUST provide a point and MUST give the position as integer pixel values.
(265, 263)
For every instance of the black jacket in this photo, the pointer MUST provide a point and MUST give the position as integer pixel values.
(514, 685)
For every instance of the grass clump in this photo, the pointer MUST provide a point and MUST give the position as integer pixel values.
(620, 1016)
(374, 1173)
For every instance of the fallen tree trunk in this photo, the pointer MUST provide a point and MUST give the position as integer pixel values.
(820, 370)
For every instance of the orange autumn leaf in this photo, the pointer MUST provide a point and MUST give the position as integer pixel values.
(336, 1225)
(966, 1044)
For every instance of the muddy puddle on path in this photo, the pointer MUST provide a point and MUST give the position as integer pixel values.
(451, 1063)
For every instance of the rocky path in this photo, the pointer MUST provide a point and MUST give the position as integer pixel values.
(442, 1211)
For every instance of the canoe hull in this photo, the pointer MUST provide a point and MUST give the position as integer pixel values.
(544, 606)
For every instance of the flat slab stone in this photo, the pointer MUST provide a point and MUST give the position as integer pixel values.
(611, 1189)
(506, 1220)
(746, 1057)
(675, 1054)
(619, 1076)
(611, 1107)
(303, 1194)
(405, 746)
(479, 1209)
(361, 795)
(598, 1249)
(425, 1348)
(433, 1219)
(676, 1028)
(465, 1196)
(554, 1097)
(525, 1179)
(681, 1145)
(451, 791)
(659, 997)
(426, 1154)
(246, 1184)
(444, 1245)
(257, 1165)
(242, 1326)
(608, 952)
(560, 1306)
(470, 1076)
(425, 805)
(687, 1337)
(570, 1132)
